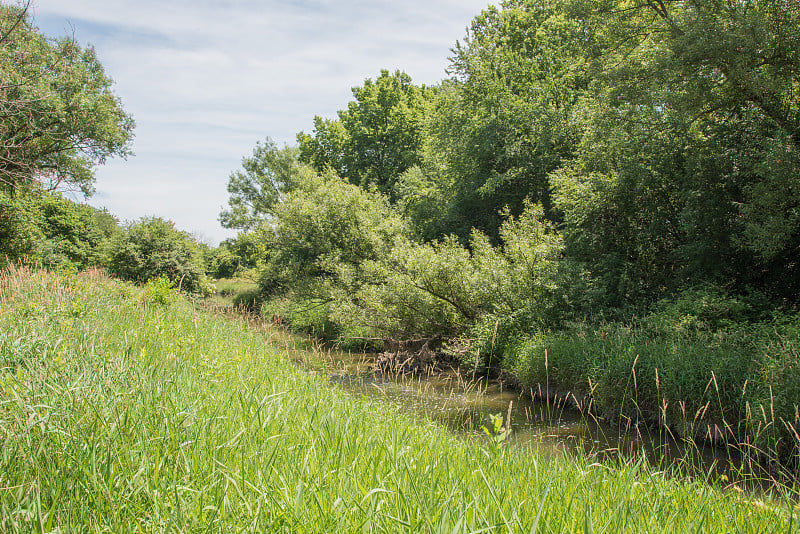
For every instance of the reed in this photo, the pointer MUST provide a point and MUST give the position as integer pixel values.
(736, 389)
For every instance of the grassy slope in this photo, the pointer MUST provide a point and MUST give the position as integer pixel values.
(119, 415)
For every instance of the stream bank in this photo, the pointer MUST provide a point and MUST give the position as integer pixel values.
(549, 422)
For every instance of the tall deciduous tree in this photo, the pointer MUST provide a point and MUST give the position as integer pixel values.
(505, 121)
(376, 138)
(58, 114)
(264, 180)
(688, 172)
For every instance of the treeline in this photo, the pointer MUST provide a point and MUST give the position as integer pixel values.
(59, 118)
(44, 229)
(602, 197)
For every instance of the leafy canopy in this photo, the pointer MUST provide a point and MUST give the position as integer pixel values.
(376, 138)
(264, 181)
(58, 115)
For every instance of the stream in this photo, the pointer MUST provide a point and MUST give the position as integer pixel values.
(466, 407)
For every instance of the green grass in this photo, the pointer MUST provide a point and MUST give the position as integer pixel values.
(120, 414)
(239, 292)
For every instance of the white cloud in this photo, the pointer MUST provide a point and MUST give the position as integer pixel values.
(206, 79)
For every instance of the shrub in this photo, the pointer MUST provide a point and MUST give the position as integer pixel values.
(704, 308)
(45, 229)
(21, 238)
(152, 248)
(312, 316)
(422, 291)
(482, 293)
(236, 256)
(160, 290)
(323, 234)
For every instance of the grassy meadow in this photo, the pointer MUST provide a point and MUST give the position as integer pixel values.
(125, 409)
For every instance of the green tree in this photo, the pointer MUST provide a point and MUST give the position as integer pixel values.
(58, 114)
(376, 138)
(265, 179)
(505, 122)
(688, 171)
(322, 235)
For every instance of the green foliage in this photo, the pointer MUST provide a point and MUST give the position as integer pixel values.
(322, 235)
(43, 228)
(58, 119)
(684, 173)
(160, 290)
(776, 388)
(705, 308)
(317, 247)
(238, 256)
(241, 293)
(421, 199)
(311, 316)
(152, 248)
(421, 291)
(267, 176)
(630, 164)
(221, 262)
(71, 230)
(498, 130)
(444, 288)
(497, 433)
(376, 138)
(59, 114)
(20, 237)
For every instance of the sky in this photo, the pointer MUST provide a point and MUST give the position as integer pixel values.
(207, 79)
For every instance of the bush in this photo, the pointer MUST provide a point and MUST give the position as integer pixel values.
(45, 229)
(323, 234)
(304, 316)
(316, 252)
(705, 308)
(221, 263)
(482, 293)
(422, 291)
(160, 290)
(236, 256)
(21, 238)
(153, 248)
